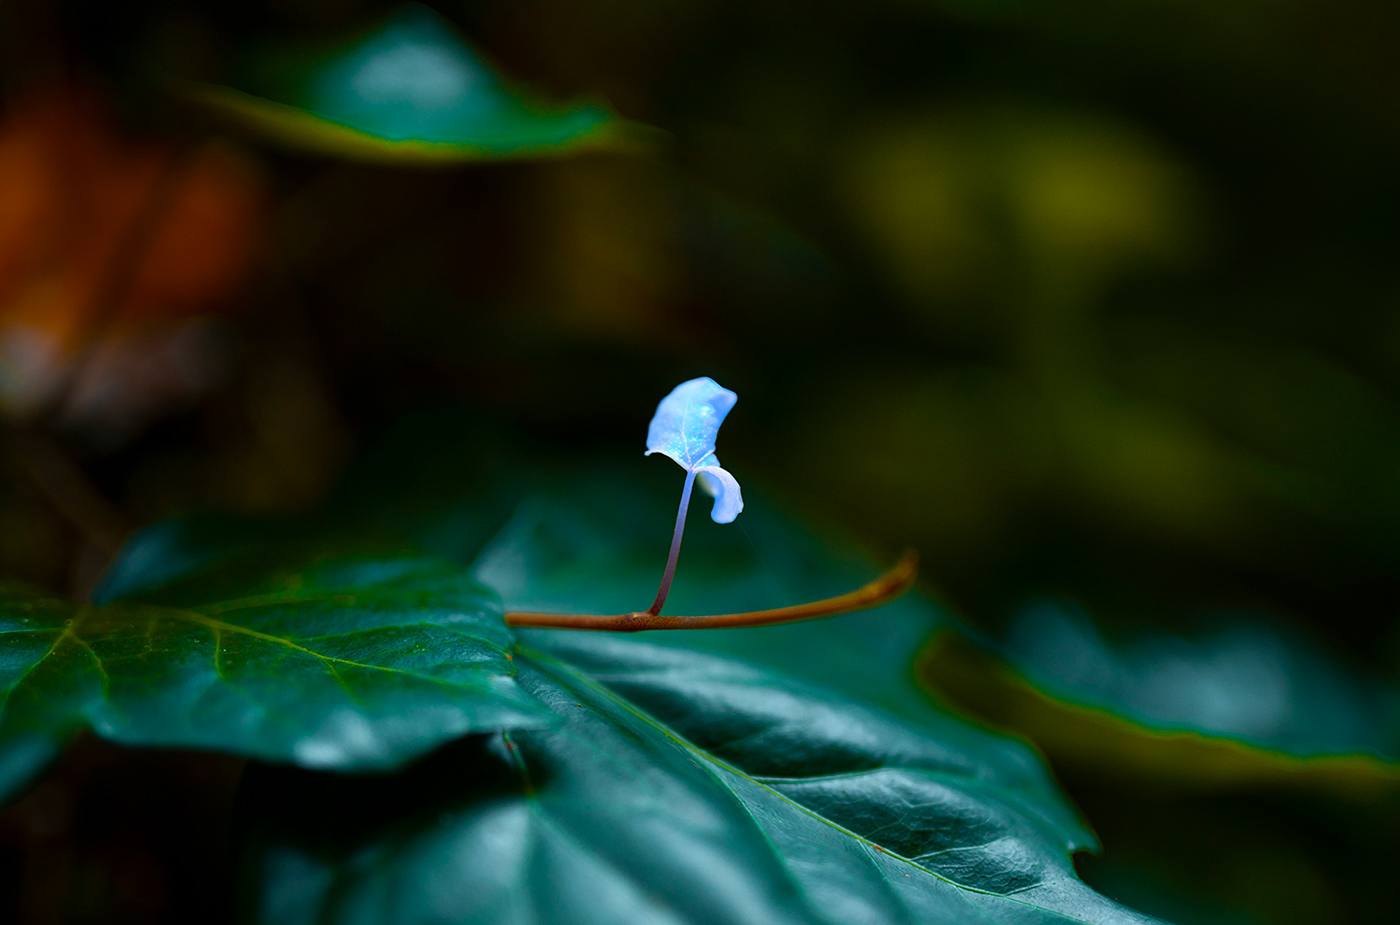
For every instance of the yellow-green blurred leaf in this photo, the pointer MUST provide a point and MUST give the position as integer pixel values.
(1240, 706)
(409, 90)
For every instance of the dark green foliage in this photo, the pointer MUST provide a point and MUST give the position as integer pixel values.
(614, 817)
(1241, 702)
(1236, 676)
(409, 90)
(782, 774)
(352, 664)
(711, 777)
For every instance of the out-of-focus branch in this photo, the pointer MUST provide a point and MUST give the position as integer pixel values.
(63, 483)
(60, 479)
(115, 284)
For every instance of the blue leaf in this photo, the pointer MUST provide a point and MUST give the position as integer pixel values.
(724, 488)
(687, 421)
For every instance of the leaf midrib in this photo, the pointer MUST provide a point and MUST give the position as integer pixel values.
(580, 677)
(70, 632)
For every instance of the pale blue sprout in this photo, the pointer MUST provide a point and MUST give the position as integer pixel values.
(684, 428)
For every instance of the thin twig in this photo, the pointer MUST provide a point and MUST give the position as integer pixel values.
(880, 591)
(68, 489)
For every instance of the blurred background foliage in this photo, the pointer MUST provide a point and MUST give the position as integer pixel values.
(1090, 302)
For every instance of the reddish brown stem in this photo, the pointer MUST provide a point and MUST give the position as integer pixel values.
(880, 591)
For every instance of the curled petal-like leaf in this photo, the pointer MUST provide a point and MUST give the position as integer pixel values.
(729, 501)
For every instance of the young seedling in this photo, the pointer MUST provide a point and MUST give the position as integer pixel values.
(684, 428)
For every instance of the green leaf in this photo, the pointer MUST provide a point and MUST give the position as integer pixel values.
(1243, 703)
(409, 90)
(611, 816)
(779, 774)
(349, 664)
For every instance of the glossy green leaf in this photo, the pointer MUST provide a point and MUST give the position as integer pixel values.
(780, 774)
(613, 817)
(409, 90)
(350, 664)
(1242, 702)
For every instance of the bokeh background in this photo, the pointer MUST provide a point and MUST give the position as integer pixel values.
(1088, 301)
